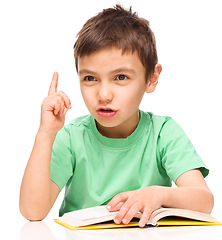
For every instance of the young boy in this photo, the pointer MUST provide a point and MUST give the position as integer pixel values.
(118, 155)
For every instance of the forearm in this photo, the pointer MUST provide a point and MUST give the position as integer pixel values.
(191, 197)
(192, 193)
(38, 193)
(35, 197)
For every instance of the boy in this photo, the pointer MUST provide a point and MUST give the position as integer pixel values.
(118, 156)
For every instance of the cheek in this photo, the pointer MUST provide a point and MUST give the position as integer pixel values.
(133, 97)
(86, 96)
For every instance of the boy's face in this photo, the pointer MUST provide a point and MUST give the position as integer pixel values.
(112, 86)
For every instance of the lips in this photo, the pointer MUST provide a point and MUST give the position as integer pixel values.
(106, 112)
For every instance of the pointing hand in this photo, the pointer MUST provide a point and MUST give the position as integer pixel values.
(54, 108)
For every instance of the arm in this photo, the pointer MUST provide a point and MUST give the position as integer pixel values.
(38, 193)
(192, 193)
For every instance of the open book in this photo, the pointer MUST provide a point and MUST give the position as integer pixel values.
(91, 218)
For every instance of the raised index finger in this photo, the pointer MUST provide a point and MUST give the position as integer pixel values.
(54, 83)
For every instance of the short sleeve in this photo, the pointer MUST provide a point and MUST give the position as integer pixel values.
(62, 159)
(178, 154)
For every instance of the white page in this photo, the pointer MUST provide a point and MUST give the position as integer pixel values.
(90, 213)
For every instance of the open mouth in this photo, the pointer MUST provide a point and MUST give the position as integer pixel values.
(106, 112)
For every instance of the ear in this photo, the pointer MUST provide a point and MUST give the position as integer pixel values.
(154, 78)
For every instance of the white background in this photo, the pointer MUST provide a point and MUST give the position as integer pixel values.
(37, 38)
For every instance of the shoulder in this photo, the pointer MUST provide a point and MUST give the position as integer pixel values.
(74, 127)
(80, 122)
(160, 122)
(158, 119)
(163, 128)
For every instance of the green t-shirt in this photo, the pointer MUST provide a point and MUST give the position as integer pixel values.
(95, 168)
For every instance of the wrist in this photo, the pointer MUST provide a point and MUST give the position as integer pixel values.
(45, 135)
(165, 193)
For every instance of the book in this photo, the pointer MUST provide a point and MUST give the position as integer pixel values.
(98, 217)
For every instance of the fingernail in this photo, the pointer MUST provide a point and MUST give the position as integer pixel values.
(108, 207)
(141, 224)
(125, 221)
(117, 221)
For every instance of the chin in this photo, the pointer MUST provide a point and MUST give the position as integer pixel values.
(107, 123)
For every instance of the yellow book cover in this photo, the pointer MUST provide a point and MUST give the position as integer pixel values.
(98, 217)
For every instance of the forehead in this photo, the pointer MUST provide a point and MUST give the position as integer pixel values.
(109, 60)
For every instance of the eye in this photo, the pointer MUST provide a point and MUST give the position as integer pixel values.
(89, 78)
(121, 77)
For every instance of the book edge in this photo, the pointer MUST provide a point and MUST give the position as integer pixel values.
(96, 226)
(183, 213)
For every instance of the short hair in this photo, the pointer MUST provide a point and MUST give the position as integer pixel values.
(121, 28)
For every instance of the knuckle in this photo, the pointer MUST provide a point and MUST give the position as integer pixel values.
(60, 92)
(128, 204)
(137, 206)
(147, 212)
(45, 102)
(118, 197)
(59, 97)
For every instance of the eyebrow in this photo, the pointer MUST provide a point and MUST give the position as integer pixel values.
(123, 70)
(86, 71)
(118, 70)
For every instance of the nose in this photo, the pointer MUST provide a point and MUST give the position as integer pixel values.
(105, 93)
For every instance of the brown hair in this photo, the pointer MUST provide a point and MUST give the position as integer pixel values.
(117, 27)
